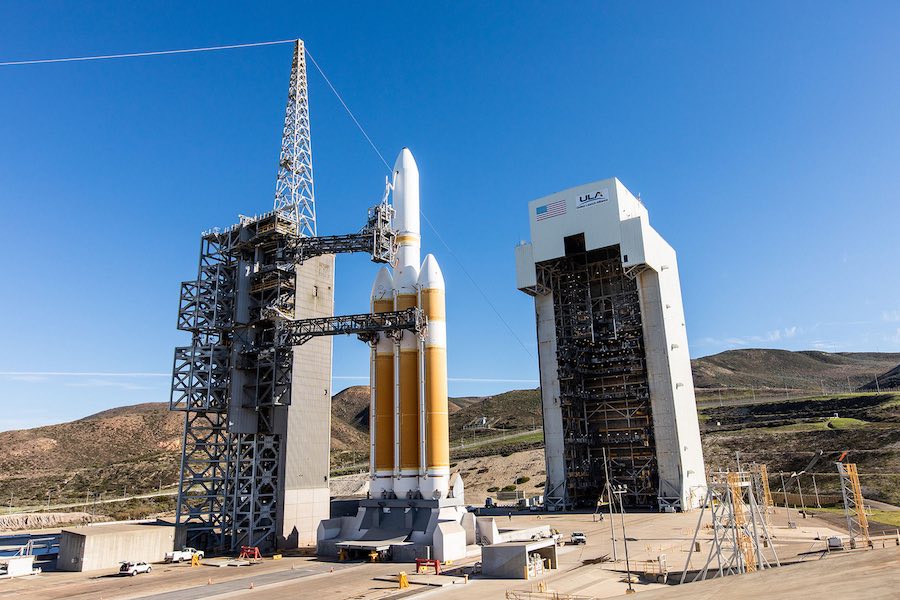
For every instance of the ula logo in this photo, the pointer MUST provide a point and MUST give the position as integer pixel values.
(594, 198)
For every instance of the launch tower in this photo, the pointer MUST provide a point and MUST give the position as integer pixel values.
(616, 384)
(255, 383)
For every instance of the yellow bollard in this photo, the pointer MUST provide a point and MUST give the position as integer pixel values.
(402, 580)
(276, 557)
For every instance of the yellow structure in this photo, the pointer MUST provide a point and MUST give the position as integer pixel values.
(854, 504)
(744, 541)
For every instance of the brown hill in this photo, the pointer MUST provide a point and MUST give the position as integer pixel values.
(136, 446)
(139, 446)
(806, 370)
(889, 380)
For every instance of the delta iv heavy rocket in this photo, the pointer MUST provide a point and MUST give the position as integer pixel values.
(410, 446)
(414, 507)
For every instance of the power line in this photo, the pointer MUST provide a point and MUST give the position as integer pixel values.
(427, 221)
(477, 287)
(42, 61)
(349, 112)
(337, 95)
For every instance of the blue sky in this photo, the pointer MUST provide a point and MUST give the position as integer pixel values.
(763, 138)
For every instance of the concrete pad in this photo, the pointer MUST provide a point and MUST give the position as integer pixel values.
(423, 579)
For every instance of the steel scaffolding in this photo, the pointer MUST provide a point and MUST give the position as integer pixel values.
(741, 542)
(604, 391)
(240, 311)
(854, 505)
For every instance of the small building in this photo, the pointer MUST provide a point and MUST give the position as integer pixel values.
(104, 546)
(519, 560)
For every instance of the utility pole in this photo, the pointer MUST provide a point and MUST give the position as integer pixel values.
(784, 491)
(816, 490)
(48, 499)
(620, 492)
(609, 497)
(877, 385)
(849, 387)
(800, 491)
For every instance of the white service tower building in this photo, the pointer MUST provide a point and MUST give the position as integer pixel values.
(616, 383)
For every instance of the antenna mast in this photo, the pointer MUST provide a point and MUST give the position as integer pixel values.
(294, 193)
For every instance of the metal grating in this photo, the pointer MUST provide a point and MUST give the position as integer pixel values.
(604, 392)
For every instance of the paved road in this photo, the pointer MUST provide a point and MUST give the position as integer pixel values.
(235, 585)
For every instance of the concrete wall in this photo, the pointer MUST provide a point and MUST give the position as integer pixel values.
(105, 546)
(306, 441)
(554, 442)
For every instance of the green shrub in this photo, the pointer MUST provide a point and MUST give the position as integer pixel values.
(493, 489)
(508, 488)
(483, 471)
(541, 484)
(521, 480)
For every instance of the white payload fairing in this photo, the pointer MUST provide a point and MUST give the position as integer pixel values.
(410, 449)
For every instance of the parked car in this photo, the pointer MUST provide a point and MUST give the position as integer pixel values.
(133, 568)
(183, 555)
(578, 538)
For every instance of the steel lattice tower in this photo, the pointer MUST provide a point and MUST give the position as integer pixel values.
(255, 454)
(294, 192)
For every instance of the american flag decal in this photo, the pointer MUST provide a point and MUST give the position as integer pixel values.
(554, 209)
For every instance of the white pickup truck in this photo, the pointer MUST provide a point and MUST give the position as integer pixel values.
(183, 555)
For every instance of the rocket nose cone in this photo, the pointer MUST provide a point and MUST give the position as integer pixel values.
(430, 276)
(383, 288)
(405, 162)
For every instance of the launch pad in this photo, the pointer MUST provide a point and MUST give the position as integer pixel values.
(401, 529)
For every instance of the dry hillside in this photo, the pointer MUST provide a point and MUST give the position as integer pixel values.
(139, 446)
(807, 370)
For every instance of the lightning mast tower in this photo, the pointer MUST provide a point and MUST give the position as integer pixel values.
(294, 190)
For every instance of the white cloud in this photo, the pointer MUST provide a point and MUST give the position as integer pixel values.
(824, 345)
(891, 316)
(108, 383)
(27, 378)
(767, 338)
(13, 374)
